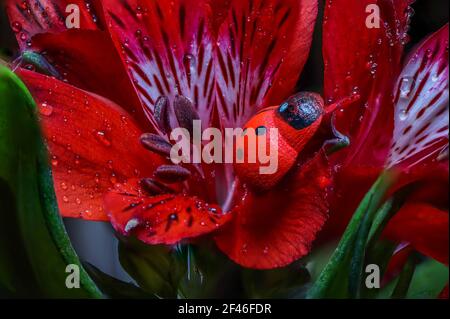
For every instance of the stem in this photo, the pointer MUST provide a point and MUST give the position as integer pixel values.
(404, 279)
(368, 206)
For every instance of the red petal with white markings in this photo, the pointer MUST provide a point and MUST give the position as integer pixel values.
(421, 104)
(261, 50)
(167, 48)
(177, 48)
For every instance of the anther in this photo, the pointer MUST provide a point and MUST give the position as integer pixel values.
(161, 114)
(172, 173)
(156, 143)
(154, 187)
(185, 113)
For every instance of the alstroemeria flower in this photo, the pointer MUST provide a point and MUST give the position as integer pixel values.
(402, 120)
(138, 68)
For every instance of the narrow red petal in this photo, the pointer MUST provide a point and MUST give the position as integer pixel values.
(444, 293)
(88, 60)
(421, 104)
(261, 50)
(93, 145)
(163, 219)
(274, 229)
(397, 262)
(366, 61)
(30, 17)
(167, 47)
(424, 227)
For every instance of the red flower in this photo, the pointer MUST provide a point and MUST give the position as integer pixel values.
(401, 124)
(148, 66)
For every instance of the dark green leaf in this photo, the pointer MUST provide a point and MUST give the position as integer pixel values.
(115, 288)
(429, 278)
(287, 282)
(156, 269)
(404, 279)
(34, 246)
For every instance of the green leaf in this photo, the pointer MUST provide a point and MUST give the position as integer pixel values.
(156, 269)
(333, 280)
(378, 253)
(366, 232)
(34, 246)
(404, 279)
(429, 278)
(115, 288)
(287, 282)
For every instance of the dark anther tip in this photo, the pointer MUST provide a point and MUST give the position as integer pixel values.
(185, 112)
(154, 187)
(161, 113)
(172, 173)
(155, 143)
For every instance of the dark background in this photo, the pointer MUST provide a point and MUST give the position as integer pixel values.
(95, 242)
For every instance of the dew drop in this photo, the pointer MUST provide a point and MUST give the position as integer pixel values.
(54, 161)
(113, 179)
(101, 137)
(16, 27)
(45, 109)
(403, 115)
(406, 86)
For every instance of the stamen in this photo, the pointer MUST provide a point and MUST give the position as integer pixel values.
(156, 143)
(161, 114)
(172, 173)
(154, 187)
(185, 113)
(342, 103)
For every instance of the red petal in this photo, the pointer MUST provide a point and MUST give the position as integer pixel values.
(167, 48)
(274, 229)
(351, 184)
(30, 17)
(93, 143)
(444, 293)
(365, 61)
(88, 60)
(163, 219)
(424, 227)
(262, 47)
(171, 48)
(421, 109)
(397, 262)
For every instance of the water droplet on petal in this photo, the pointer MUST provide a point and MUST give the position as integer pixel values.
(101, 137)
(16, 27)
(403, 115)
(45, 109)
(54, 161)
(406, 86)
